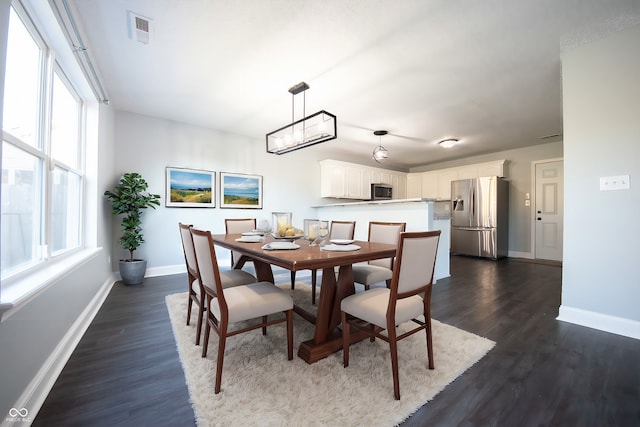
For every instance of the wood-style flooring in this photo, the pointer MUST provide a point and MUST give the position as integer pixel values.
(542, 372)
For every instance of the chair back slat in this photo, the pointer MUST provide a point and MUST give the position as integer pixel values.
(236, 226)
(385, 232)
(207, 263)
(342, 229)
(415, 262)
(239, 225)
(187, 246)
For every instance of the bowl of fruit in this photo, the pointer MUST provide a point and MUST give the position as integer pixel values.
(288, 232)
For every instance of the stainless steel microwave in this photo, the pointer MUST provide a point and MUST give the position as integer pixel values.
(381, 192)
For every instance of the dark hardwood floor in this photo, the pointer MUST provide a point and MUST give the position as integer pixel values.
(542, 372)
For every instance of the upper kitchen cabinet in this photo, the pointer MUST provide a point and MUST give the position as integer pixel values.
(437, 184)
(399, 184)
(414, 185)
(344, 180)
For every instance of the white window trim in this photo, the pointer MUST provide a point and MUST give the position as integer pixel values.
(20, 291)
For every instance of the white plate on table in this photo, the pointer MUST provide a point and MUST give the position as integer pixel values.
(249, 239)
(275, 246)
(292, 238)
(342, 241)
(339, 248)
(253, 233)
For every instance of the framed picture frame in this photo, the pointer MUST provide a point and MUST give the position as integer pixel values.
(240, 191)
(190, 188)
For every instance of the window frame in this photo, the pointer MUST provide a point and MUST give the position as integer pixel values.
(48, 67)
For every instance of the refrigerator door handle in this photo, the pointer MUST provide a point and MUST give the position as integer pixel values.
(472, 209)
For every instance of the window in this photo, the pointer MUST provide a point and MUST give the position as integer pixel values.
(42, 153)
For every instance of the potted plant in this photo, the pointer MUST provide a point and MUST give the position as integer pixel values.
(128, 199)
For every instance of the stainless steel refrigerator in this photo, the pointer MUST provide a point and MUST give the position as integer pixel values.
(480, 217)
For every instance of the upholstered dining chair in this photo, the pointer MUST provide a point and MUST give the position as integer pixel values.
(338, 230)
(196, 294)
(407, 298)
(236, 304)
(235, 226)
(379, 270)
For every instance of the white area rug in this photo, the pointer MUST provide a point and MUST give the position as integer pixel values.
(260, 387)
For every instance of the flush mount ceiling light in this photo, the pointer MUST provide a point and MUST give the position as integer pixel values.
(310, 130)
(380, 153)
(448, 143)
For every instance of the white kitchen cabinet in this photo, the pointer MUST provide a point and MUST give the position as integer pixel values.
(436, 184)
(445, 176)
(414, 185)
(495, 168)
(399, 184)
(344, 180)
(430, 185)
(468, 172)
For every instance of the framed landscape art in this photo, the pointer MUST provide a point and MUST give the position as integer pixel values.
(190, 188)
(240, 191)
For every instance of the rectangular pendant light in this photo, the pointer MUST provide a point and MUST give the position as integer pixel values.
(310, 130)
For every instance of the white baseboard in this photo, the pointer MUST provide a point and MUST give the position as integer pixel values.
(516, 254)
(165, 270)
(603, 322)
(36, 392)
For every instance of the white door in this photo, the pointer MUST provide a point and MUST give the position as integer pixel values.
(549, 210)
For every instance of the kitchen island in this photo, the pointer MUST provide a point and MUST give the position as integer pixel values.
(417, 213)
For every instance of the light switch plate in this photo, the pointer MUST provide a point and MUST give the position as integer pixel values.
(620, 182)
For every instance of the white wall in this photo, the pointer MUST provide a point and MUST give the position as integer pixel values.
(37, 338)
(291, 182)
(601, 87)
(518, 173)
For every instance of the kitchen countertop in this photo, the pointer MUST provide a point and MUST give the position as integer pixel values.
(375, 202)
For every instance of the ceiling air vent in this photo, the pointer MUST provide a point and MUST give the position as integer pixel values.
(139, 28)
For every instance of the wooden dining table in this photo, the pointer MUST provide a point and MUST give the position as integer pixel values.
(327, 337)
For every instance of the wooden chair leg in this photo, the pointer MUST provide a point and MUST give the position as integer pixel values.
(189, 307)
(313, 286)
(205, 344)
(345, 339)
(393, 347)
(289, 314)
(293, 280)
(200, 317)
(264, 328)
(427, 316)
(221, 344)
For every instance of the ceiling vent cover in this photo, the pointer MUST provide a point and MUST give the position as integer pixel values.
(140, 28)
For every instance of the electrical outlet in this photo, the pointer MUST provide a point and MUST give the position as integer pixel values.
(620, 182)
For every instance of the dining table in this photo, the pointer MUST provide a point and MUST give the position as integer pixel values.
(327, 336)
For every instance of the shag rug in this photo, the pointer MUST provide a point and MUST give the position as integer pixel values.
(260, 387)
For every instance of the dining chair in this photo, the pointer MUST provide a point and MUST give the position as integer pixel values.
(236, 304)
(407, 298)
(379, 270)
(236, 226)
(344, 230)
(195, 293)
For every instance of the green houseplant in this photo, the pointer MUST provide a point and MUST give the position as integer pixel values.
(129, 199)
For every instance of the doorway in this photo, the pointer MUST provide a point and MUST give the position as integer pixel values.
(549, 210)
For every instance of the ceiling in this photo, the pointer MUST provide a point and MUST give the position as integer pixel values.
(485, 72)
